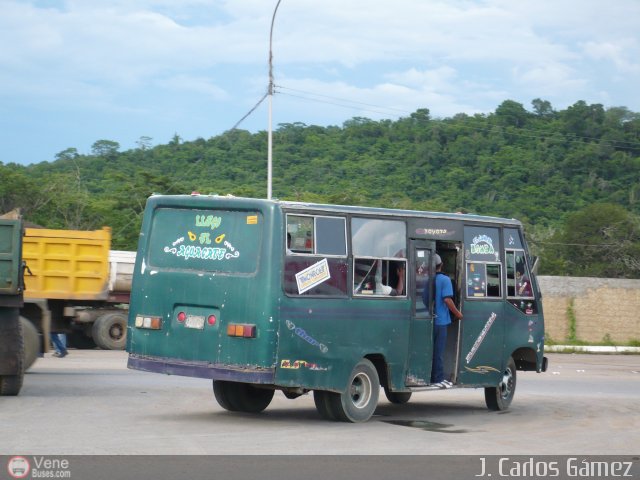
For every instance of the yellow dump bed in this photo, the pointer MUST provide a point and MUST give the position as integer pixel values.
(66, 264)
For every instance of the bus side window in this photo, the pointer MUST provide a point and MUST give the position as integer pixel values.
(511, 275)
(476, 280)
(518, 275)
(300, 227)
(493, 280)
(483, 280)
(316, 235)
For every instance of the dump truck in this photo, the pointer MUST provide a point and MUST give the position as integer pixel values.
(74, 284)
(12, 364)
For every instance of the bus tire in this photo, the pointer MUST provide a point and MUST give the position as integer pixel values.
(109, 331)
(324, 405)
(360, 400)
(225, 394)
(31, 343)
(242, 397)
(398, 398)
(500, 397)
(11, 333)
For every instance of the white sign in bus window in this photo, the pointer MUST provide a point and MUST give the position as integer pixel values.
(313, 275)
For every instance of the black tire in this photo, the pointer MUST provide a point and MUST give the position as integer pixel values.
(360, 400)
(291, 395)
(225, 394)
(11, 333)
(31, 343)
(500, 397)
(77, 339)
(398, 398)
(324, 405)
(241, 397)
(110, 331)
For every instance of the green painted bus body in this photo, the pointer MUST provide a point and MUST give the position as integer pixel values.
(224, 260)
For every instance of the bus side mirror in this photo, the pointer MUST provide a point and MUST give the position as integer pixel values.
(535, 261)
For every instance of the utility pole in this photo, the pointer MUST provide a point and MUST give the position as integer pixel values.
(270, 92)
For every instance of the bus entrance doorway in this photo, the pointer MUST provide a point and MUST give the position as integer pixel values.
(421, 338)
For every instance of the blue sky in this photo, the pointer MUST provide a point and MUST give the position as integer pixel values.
(76, 71)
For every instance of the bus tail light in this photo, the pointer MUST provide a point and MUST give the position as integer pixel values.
(211, 320)
(181, 317)
(150, 323)
(241, 330)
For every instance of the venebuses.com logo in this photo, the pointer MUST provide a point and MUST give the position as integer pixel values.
(38, 467)
(18, 467)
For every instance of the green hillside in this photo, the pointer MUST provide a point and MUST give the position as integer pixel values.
(572, 176)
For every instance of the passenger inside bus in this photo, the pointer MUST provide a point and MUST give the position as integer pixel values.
(379, 277)
(523, 284)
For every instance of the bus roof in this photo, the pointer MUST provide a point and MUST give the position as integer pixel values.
(397, 213)
(347, 209)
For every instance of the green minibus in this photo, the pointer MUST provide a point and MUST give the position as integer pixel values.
(264, 295)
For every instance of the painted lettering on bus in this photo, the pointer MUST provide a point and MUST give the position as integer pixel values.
(208, 221)
(482, 245)
(480, 338)
(307, 338)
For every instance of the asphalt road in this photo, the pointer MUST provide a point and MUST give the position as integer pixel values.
(89, 403)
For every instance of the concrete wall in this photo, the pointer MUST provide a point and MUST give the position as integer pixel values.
(601, 306)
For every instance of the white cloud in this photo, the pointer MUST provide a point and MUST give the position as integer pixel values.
(449, 56)
(199, 85)
(617, 53)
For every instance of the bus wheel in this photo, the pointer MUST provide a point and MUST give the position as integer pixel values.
(360, 400)
(324, 405)
(397, 397)
(241, 397)
(499, 398)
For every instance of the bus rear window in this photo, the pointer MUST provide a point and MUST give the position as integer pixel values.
(205, 240)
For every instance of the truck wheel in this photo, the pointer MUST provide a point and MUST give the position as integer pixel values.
(360, 400)
(499, 398)
(31, 343)
(79, 340)
(110, 331)
(13, 350)
(241, 397)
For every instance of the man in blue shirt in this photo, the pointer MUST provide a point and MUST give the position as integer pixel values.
(443, 309)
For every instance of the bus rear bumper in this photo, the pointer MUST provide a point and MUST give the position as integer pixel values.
(232, 373)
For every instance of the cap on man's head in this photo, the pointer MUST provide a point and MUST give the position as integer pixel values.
(437, 259)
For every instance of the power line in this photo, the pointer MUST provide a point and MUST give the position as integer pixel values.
(250, 111)
(344, 102)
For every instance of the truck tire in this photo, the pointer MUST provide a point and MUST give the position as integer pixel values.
(11, 333)
(110, 331)
(78, 339)
(31, 343)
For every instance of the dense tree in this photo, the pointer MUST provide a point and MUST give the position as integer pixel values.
(541, 166)
(600, 240)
